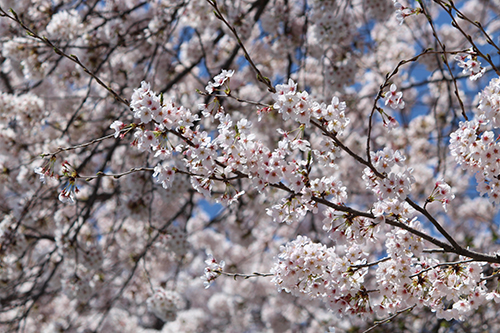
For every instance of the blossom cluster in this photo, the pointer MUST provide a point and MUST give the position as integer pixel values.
(395, 185)
(22, 110)
(478, 152)
(64, 24)
(164, 304)
(345, 229)
(299, 107)
(77, 287)
(148, 106)
(213, 270)
(330, 29)
(175, 240)
(489, 102)
(235, 150)
(24, 50)
(470, 64)
(452, 291)
(219, 80)
(308, 269)
(442, 192)
(302, 268)
(314, 270)
(402, 12)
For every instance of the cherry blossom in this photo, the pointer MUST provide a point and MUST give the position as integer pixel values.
(393, 98)
(284, 166)
(470, 64)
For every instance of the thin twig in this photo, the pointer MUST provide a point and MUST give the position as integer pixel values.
(381, 322)
(445, 60)
(246, 276)
(441, 265)
(260, 77)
